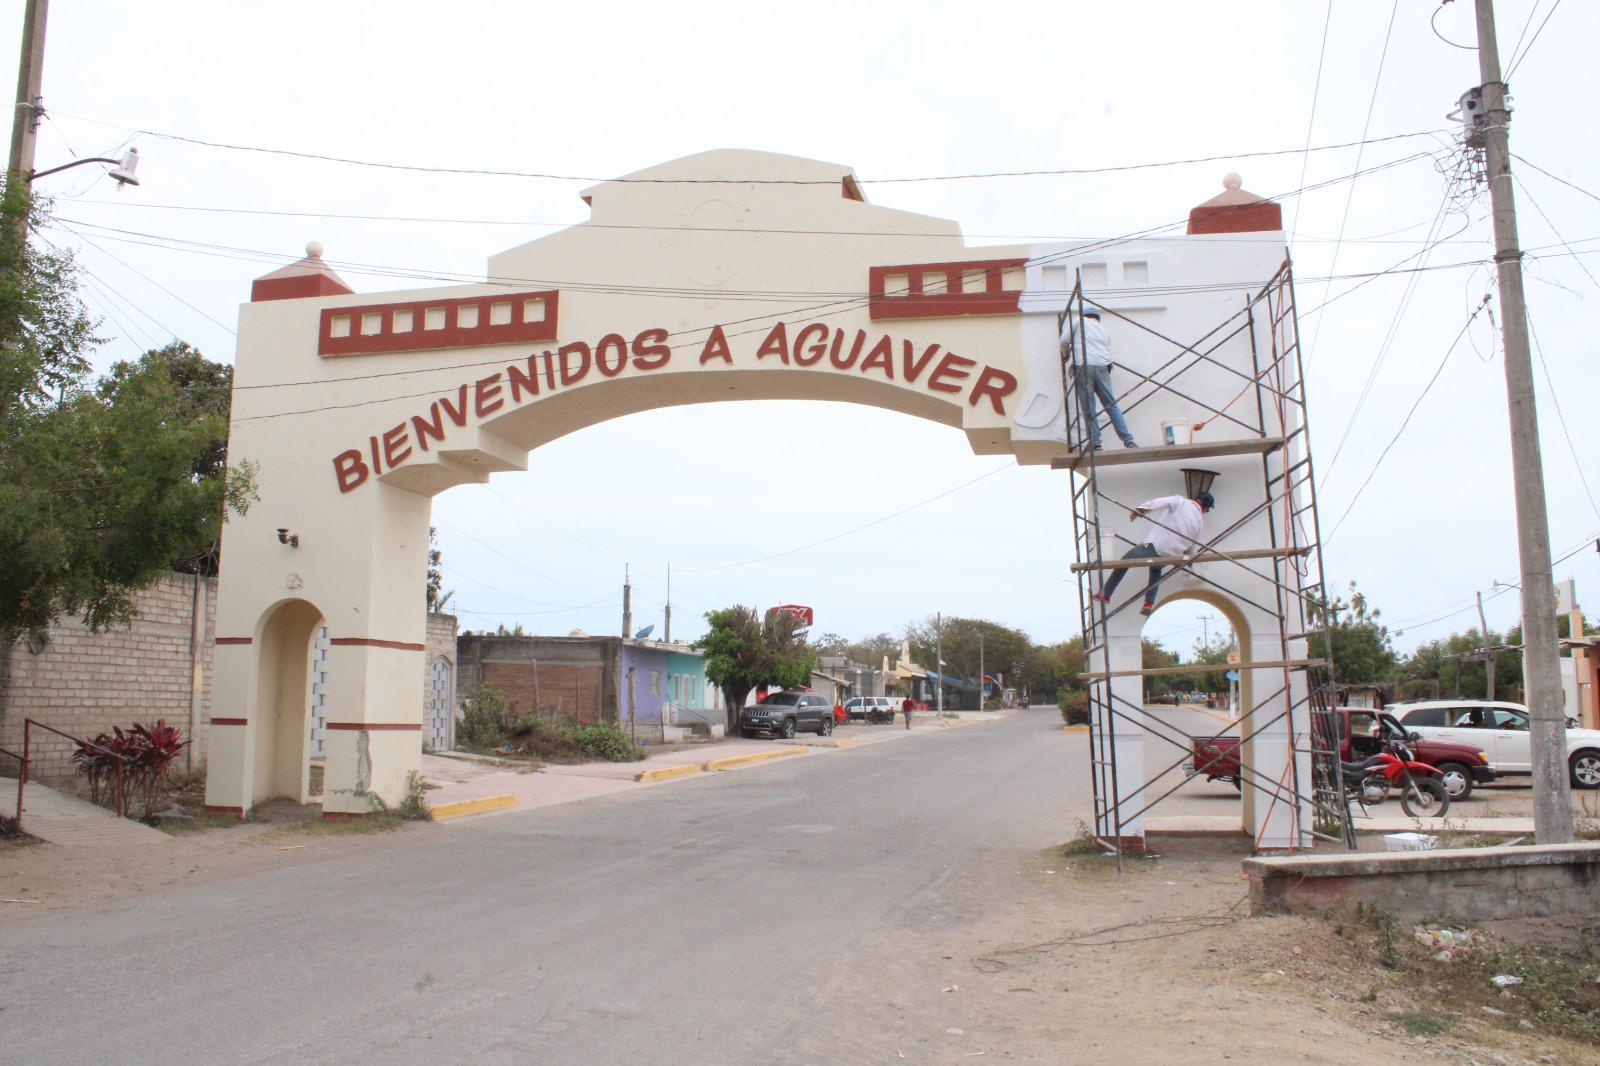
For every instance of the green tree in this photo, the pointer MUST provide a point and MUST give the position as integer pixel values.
(1212, 653)
(102, 486)
(744, 652)
(965, 643)
(1363, 651)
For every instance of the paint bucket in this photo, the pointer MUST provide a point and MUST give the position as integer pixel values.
(1175, 431)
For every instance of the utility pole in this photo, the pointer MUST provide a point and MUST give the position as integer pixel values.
(938, 658)
(627, 604)
(1552, 800)
(30, 79)
(982, 677)
(667, 635)
(1488, 659)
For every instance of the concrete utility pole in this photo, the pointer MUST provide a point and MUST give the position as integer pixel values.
(1488, 659)
(982, 677)
(30, 79)
(938, 658)
(667, 633)
(627, 604)
(1541, 664)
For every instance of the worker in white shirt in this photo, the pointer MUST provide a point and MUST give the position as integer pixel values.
(1093, 368)
(1174, 529)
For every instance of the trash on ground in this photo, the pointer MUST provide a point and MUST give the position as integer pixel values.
(1505, 980)
(1409, 841)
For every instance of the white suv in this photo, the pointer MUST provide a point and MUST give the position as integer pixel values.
(1501, 730)
(871, 708)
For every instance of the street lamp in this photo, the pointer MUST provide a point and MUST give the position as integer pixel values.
(125, 171)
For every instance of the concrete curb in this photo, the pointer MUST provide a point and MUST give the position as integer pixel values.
(462, 808)
(667, 772)
(733, 761)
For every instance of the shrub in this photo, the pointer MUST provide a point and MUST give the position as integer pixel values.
(144, 753)
(485, 722)
(1074, 704)
(603, 740)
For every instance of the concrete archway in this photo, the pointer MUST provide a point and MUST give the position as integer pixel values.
(685, 286)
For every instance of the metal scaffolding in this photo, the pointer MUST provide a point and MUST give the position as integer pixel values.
(1281, 579)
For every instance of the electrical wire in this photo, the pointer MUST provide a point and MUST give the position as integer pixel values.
(152, 281)
(512, 559)
(505, 173)
(856, 529)
(1350, 193)
(1406, 421)
(1525, 191)
(1516, 60)
(1561, 417)
(1553, 177)
(1311, 121)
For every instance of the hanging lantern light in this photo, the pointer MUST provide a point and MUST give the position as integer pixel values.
(1196, 481)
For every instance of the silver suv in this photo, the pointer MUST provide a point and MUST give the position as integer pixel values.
(784, 714)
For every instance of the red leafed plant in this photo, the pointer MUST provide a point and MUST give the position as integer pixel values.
(145, 753)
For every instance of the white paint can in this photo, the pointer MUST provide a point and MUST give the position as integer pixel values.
(1175, 431)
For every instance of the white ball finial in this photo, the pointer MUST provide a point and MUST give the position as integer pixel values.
(1231, 181)
(314, 250)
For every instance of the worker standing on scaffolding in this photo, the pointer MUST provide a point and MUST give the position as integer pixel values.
(1093, 370)
(1175, 525)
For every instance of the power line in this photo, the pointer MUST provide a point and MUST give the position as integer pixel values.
(1517, 59)
(1311, 121)
(1350, 193)
(1523, 186)
(512, 559)
(1407, 420)
(850, 532)
(547, 176)
(1555, 399)
(1553, 177)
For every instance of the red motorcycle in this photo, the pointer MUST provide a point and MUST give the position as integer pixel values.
(1422, 790)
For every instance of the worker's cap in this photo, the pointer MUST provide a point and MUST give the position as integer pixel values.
(1205, 501)
(1091, 312)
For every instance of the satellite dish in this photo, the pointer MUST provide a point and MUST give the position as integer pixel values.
(645, 632)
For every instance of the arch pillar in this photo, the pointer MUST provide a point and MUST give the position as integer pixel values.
(367, 557)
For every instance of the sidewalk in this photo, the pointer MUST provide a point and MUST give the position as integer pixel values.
(58, 818)
(467, 779)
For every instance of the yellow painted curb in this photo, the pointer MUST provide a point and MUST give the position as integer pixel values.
(1074, 729)
(477, 806)
(754, 757)
(666, 772)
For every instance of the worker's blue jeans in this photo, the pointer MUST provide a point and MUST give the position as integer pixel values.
(1141, 551)
(1095, 381)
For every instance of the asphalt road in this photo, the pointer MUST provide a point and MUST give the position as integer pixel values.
(741, 917)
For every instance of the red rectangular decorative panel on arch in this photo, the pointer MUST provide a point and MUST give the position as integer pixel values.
(945, 290)
(424, 325)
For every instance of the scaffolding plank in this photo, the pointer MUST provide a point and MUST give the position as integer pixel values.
(1167, 453)
(1179, 560)
(1203, 668)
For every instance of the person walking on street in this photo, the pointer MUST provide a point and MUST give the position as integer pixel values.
(908, 707)
(1091, 361)
(1174, 529)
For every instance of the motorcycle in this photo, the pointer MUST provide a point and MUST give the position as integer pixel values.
(1422, 790)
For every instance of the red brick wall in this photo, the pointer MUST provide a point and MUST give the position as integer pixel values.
(573, 689)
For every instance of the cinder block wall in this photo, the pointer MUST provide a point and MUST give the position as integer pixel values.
(84, 683)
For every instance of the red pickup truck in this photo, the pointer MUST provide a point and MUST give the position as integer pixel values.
(1362, 732)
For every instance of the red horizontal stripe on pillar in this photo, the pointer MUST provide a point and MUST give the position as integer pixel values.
(230, 721)
(373, 727)
(374, 642)
(234, 640)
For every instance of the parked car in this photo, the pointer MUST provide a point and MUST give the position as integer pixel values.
(871, 708)
(1362, 732)
(1504, 731)
(786, 713)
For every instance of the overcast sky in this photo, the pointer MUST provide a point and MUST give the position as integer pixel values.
(894, 90)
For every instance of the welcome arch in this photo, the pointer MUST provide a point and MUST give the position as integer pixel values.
(721, 276)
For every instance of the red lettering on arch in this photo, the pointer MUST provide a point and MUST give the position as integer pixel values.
(611, 342)
(456, 411)
(350, 470)
(777, 343)
(395, 445)
(486, 395)
(951, 366)
(880, 358)
(650, 350)
(995, 384)
(804, 356)
(523, 381)
(572, 377)
(913, 367)
(431, 425)
(716, 348)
